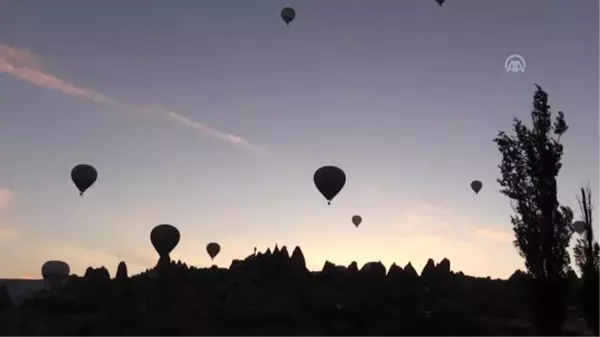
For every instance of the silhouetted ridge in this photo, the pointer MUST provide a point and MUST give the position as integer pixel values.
(429, 269)
(284, 252)
(410, 271)
(353, 267)
(395, 272)
(374, 269)
(122, 271)
(298, 259)
(444, 266)
(237, 263)
(6, 303)
(517, 275)
(272, 293)
(328, 267)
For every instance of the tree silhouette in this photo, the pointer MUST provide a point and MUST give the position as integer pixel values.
(587, 258)
(531, 161)
(586, 250)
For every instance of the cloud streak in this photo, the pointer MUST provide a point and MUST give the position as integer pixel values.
(25, 66)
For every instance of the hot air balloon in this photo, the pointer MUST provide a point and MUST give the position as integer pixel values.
(579, 227)
(164, 238)
(55, 274)
(476, 186)
(288, 14)
(440, 2)
(329, 181)
(83, 176)
(356, 220)
(213, 249)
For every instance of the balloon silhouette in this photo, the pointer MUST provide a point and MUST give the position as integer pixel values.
(476, 186)
(55, 274)
(329, 180)
(83, 176)
(288, 14)
(356, 220)
(579, 227)
(440, 2)
(213, 249)
(164, 238)
(55, 268)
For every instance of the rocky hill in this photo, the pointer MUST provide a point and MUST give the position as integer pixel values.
(273, 293)
(20, 289)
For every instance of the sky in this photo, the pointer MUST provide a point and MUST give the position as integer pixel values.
(213, 116)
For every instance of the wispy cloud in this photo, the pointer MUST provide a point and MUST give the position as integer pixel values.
(25, 66)
(494, 235)
(233, 139)
(5, 196)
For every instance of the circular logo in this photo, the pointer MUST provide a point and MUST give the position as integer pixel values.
(515, 64)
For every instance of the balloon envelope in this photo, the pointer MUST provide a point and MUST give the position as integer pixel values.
(476, 186)
(356, 220)
(55, 268)
(440, 2)
(164, 238)
(329, 180)
(288, 14)
(213, 249)
(55, 274)
(579, 227)
(83, 176)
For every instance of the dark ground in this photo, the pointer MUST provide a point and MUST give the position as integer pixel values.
(274, 294)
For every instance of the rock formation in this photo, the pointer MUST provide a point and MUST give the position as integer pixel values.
(272, 294)
(122, 271)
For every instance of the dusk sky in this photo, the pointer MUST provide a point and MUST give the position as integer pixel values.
(213, 116)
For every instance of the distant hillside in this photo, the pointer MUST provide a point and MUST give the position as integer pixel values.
(20, 289)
